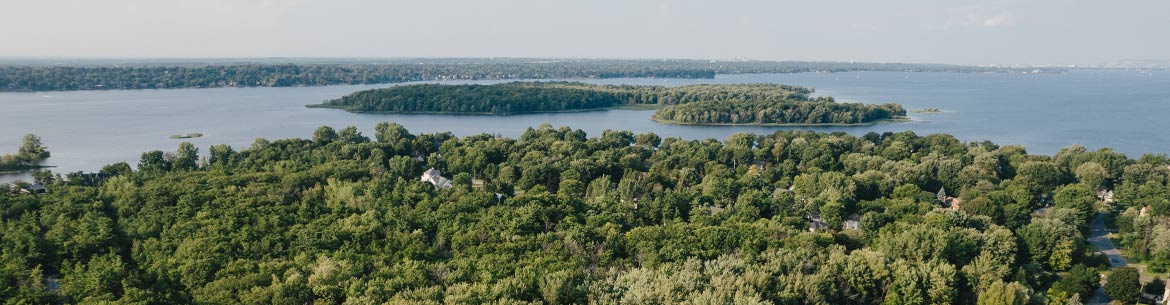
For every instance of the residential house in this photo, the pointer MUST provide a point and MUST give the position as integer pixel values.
(816, 223)
(853, 222)
(950, 202)
(36, 188)
(1105, 195)
(435, 177)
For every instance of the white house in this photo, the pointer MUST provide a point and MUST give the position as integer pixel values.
(435, 177)
(1105, 195)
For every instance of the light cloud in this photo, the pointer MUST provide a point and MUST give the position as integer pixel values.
(1000, 20)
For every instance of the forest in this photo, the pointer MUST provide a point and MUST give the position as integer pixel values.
(80, 74)
(556, 216)
(811, 112)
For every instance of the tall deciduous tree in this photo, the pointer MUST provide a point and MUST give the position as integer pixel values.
(1000, 293)
(1123, 285)
(31, 149)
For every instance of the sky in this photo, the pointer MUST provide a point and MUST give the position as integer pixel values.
(1016, 32)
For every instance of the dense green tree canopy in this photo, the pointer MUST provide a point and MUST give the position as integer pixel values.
(551, 217)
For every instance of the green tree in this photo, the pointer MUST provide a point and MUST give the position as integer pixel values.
(561, 287)
(351, 135)
(1078, 197)
(220, 155)
(154, 161)
(388, 132)
(186, 157)
(1091, 174)
(31, 148)
(1123, 285)
(1050, 241)
(1000, 293)
(1080, 280)
(324, 135)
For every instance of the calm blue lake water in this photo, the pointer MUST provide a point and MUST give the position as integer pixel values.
(1121, 109)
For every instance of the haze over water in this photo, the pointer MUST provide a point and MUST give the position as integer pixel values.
(1121, 109)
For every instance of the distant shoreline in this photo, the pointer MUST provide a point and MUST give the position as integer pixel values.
(34, 76)
(618, 107)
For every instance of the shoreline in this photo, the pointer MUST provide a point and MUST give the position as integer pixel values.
(23, 170)
(618, 107)
(635, 107)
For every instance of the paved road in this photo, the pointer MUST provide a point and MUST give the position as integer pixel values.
(1099, 237)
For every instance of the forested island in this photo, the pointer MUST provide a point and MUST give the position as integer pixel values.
(534, 97)
(693, 104)
(500, 99)
(27, 157)
(45, 75)
(558, 217)
(819, 111)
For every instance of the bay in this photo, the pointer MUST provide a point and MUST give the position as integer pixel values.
(1121, 109)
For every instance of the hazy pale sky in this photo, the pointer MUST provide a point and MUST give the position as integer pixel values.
(941, 31)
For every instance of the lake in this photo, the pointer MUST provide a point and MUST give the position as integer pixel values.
(1121, 109)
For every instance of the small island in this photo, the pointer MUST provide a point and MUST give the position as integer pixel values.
(927, 110)
(28, 157)
(186, 136)
(709, 104)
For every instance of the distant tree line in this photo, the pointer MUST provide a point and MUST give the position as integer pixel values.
(82, 75)
(52, 78)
